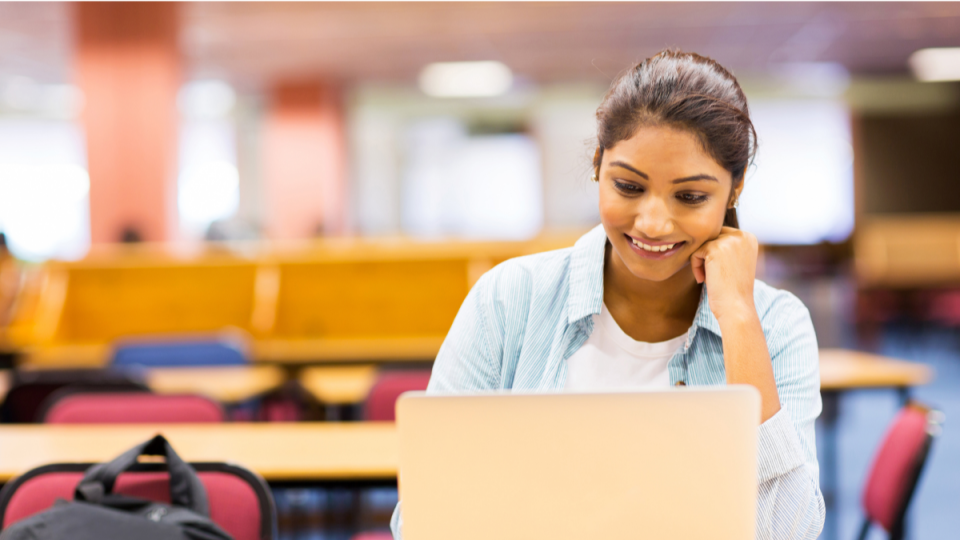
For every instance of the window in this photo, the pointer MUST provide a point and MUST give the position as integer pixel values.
(801, 188)
(44, 189)
(208, 187)
(473, 186)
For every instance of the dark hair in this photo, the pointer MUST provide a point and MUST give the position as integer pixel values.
(685, 91)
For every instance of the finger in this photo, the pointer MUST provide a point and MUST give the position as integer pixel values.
(698, 265)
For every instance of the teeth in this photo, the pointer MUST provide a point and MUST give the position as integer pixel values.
(656, 249)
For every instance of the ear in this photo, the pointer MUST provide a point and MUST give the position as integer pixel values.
(735, 194)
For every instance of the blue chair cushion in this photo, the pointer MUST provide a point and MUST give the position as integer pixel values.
(178, 353)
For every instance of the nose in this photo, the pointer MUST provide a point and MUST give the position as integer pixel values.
(654, 219)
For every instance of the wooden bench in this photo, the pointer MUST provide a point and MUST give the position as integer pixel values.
(329, 301)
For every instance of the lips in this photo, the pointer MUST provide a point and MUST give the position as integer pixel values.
(654, 250)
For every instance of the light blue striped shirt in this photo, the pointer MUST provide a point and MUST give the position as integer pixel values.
(524, 318)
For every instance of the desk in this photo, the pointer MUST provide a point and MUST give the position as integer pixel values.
(846, 370)
(347, 385)
(278, 452)
(840, 371)
(226, 384)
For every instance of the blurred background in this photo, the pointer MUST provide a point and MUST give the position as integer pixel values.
(216, 151)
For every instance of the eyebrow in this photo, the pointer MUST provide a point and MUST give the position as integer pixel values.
(629, 168)
(693, 178)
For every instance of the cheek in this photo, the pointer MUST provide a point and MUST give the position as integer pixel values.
(615, 209)
(704, 225)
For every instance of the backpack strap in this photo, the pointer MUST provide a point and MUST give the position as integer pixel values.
(186, 489)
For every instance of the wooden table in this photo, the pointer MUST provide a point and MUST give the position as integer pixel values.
(346, 385)
(226, 384)
(841, 371)
(277, 451)
(845, 370)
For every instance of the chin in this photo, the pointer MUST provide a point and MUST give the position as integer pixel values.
(649, 274)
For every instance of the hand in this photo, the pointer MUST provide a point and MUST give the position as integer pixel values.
(728, 266)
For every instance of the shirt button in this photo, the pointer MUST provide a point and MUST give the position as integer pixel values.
(681, 383)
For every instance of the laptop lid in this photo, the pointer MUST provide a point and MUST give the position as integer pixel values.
(671, 464)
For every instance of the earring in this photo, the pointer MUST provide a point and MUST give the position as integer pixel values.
(593, 178)
(736, 203)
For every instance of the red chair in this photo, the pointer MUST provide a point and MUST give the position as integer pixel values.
(373, 536)
(381, 402)
(240, 501)
(131, 407)
(896, 468)
(29, 389)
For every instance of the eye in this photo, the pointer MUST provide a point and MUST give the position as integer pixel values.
(692, 198)
(629, 189)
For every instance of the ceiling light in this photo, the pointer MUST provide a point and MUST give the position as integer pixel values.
(940, 64)
(465, 79)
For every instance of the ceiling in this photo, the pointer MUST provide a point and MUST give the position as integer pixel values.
(259, 43)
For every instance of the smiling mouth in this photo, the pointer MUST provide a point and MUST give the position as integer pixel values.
(658, 251)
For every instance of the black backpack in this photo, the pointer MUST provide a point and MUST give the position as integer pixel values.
(96, 513)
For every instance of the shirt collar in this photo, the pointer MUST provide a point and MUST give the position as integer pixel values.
(704, 317)
(586, 275)
(586, 282)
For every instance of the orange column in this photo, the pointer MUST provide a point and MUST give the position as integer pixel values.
(128, 67)
(304, 162)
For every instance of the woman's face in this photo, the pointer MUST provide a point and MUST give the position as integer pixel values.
(661, 198)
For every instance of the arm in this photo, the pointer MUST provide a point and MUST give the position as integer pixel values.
(790, 503)
(781, 361)
(469, 358)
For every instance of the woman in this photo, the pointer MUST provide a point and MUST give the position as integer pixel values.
(628, 305)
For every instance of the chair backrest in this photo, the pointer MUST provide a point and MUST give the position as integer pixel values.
(898, 463)
(240, 501)
(213, 352)
(30, 389)
(381, 402)
(132, 407)
(378, 535)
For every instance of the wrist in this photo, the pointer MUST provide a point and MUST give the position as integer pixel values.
(744, 313)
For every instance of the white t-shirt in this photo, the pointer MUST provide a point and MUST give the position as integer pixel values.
(612, 360)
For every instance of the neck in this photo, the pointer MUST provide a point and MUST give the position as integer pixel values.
(676, 297)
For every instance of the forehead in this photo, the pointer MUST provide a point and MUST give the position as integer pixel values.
(665, 150)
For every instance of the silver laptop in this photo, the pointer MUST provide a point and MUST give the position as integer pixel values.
(672, 464)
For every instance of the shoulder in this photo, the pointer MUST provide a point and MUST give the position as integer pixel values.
(549, 273)
(773, 303)
(785, 319)
(528, 274)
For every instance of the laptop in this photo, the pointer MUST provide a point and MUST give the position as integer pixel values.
(672, 464)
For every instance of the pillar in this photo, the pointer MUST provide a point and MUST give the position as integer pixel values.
(304, 162)
(128, 67)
